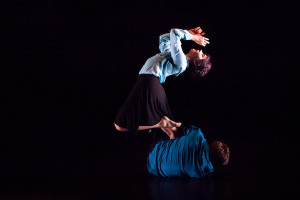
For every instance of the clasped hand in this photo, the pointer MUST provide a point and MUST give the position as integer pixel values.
(197, 36)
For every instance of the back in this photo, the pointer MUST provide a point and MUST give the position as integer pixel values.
(184, 156)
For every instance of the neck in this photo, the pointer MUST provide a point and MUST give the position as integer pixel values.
(188, 57)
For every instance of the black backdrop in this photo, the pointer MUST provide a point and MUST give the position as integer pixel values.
(67, 67)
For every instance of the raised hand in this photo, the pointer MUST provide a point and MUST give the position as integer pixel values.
(197, 36)
(203, 41)
(196, 31)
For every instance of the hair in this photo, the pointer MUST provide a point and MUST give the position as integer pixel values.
(200, 68)
(219, 154)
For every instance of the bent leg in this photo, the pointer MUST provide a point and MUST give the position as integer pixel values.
(165, 122)
(119, 128)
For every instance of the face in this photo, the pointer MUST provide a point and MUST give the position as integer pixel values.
(194, 53)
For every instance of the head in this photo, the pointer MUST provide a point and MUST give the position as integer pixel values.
(199, 62)
(219, 154)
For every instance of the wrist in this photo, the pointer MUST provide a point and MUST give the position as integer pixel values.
(193, 37)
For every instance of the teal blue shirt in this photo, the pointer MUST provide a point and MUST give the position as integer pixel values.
(185, 156)
(171, 60)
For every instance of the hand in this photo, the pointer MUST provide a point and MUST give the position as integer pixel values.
(203, 41)
(169, 132)
(196, 31)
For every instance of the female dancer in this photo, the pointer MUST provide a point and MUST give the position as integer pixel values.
(146, 106)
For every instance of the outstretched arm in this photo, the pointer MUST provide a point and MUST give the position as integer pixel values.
(166, 39)
(195, 34)
(177, 54)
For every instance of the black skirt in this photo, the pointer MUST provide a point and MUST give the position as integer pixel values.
(145, 106)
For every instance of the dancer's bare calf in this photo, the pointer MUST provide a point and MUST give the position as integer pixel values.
(167, 125)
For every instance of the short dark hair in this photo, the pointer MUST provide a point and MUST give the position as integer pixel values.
(199, 67)
(219, 153)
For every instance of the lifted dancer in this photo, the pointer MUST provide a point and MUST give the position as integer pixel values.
(146, 106)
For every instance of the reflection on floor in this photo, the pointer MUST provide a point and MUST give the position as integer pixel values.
(259, 168)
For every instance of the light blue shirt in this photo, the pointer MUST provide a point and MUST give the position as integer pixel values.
(171, 60)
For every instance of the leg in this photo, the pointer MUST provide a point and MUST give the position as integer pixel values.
(164, 122)
(119, 128)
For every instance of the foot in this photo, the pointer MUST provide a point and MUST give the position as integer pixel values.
(165, 122)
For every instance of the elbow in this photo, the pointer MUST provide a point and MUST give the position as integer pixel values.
(174, 31)
(183, 68)
(180, 69)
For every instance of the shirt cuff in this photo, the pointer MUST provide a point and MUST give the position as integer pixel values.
(188, 36)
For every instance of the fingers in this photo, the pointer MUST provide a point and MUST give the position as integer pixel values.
(204, 44)
(198, 36)
(198, 30)
(206, 41)
(203, 41)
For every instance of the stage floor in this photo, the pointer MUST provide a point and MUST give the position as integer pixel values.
(259, 169)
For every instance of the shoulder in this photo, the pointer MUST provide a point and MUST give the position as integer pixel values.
(193, 131)
(191, 128)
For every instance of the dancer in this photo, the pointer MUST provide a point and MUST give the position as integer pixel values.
(187, 156)
(146, 106)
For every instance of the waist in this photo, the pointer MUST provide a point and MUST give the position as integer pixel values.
(147, 76)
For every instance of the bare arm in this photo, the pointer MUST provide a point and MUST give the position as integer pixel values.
(169, 132)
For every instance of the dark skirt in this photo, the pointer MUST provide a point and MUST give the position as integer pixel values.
(145, 106)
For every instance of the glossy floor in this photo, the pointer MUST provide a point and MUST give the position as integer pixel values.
(259, 169)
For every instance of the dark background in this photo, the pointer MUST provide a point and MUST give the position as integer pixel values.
(67, 67)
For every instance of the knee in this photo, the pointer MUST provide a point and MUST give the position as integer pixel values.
(119, 128)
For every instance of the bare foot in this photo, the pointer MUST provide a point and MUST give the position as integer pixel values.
(165, 122)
